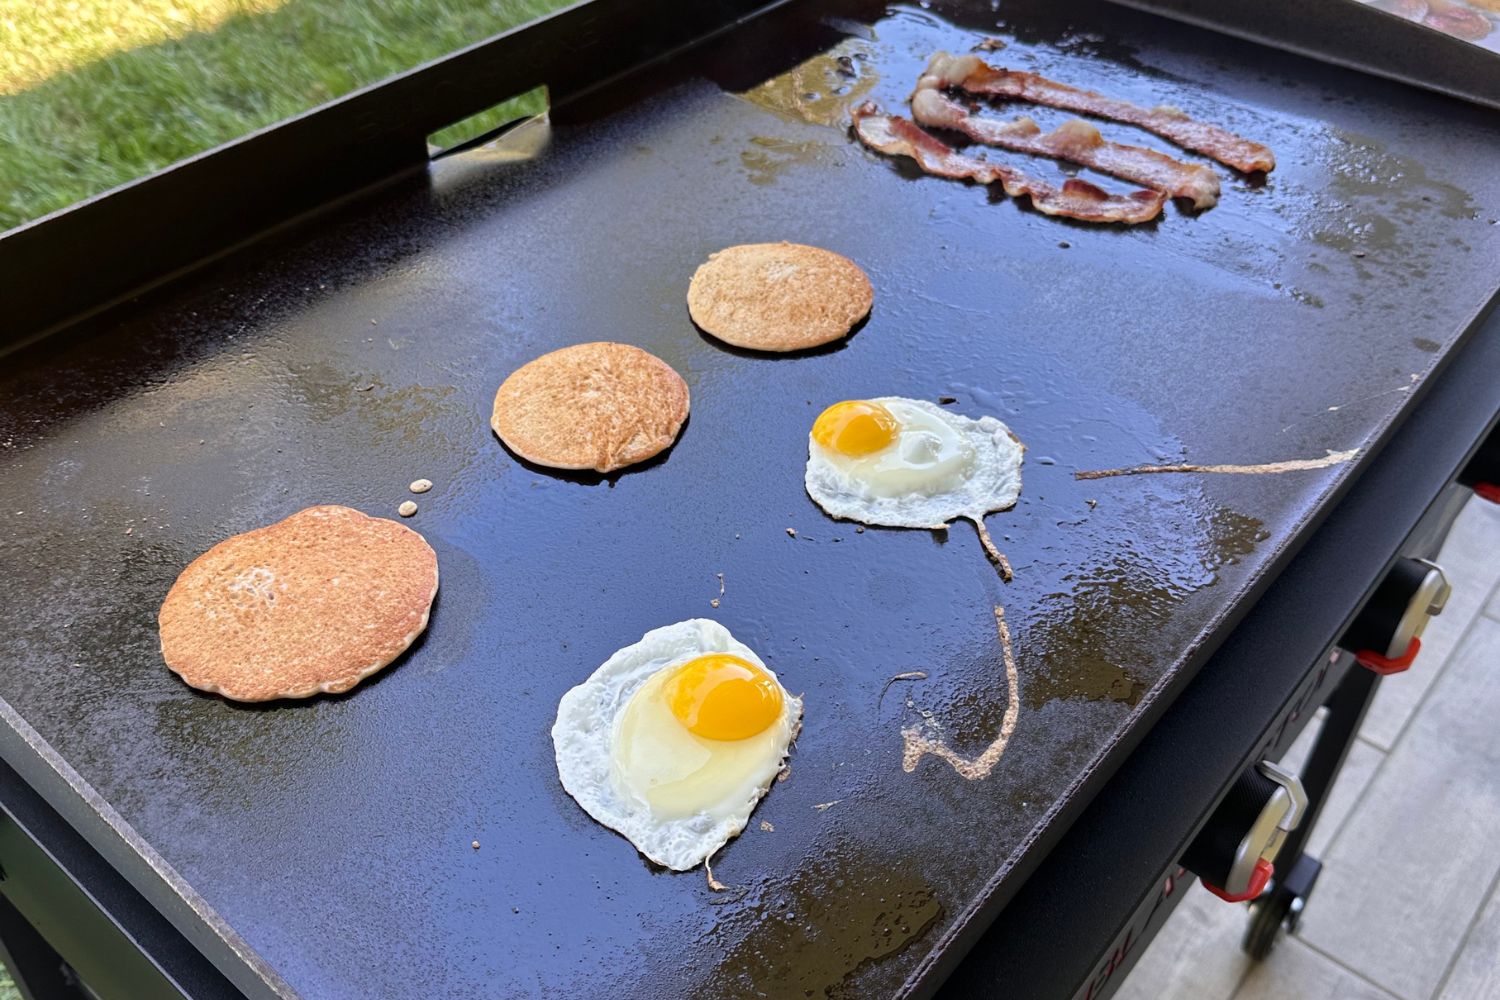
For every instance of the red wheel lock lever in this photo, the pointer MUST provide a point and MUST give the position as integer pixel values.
(1258, 879)
(1371, 660)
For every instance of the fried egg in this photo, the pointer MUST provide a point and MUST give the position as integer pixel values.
(908, 463)
(674, 740)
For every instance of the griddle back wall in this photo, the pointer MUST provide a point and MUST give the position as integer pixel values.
(145, 231)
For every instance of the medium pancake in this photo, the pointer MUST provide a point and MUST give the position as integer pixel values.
(314, 603)
(778, 296)
(595, 406)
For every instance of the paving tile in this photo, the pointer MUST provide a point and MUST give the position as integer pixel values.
(1476, 974)
(1350, 783)
(1471, 560)
(1195, 956)
(1348, 788)
(1295, 970)
(1414, 862)
(1490, 512)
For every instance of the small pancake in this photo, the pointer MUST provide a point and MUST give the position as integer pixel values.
(778, 296)
(314, 603)
(595, 406)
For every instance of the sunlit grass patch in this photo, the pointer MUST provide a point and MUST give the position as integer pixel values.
(100, 123)
(38, 40)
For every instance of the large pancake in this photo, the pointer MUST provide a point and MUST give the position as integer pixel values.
(314, 603)
(778, 296)
(595, 406)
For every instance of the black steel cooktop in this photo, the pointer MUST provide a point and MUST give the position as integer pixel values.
(329, 841)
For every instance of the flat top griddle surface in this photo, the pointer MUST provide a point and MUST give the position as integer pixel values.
(338, 362)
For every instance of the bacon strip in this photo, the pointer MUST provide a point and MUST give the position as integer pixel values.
(972, 74)
(896, 136)
(1076, 141)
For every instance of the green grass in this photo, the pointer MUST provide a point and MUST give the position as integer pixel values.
(84, 119)
(8, 989)
(38, 40)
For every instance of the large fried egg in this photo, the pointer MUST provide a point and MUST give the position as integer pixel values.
(674, 740)
(908, 463)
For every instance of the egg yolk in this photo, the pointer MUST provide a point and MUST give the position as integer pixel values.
(855, 427)
(722, 697)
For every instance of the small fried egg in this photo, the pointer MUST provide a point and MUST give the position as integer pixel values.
(673, 741)
(908, 463)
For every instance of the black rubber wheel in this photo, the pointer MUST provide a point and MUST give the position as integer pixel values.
(1267, 920)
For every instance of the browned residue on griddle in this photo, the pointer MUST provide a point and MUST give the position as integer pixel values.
(992, 551)
(1295, 465)
(714, 885)
(1374, 395)
(910, 675)
(919, 743)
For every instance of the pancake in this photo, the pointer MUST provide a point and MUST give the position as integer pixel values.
(312, 604)
(778, 296)
(595, 406)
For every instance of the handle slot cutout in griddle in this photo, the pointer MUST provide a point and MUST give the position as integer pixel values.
(491, 123)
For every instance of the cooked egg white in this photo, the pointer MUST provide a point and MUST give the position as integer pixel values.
(909, 463)
(674, 740)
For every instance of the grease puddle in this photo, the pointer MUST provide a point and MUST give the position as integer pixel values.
(809, 936)
(769, 157)
(821, 90)
(1099, 639)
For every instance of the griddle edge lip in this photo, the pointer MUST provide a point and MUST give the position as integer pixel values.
(970, 925)
(184, 968)
(61, 787)
(1458, 62)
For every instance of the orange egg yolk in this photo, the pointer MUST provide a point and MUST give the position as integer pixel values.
(722, 697)
(855, 427)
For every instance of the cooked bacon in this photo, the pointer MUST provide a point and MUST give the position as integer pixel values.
(896, 136)
(1457, 20)
(1076, 141)
(977, 77)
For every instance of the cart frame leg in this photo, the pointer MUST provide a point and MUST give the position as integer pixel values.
(1346, 706)
(1297, 872)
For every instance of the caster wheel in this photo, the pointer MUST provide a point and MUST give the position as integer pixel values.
(1280, 907)
(1269, 917)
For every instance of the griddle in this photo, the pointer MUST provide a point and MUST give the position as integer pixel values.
(325, 848)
